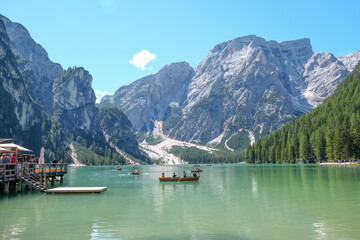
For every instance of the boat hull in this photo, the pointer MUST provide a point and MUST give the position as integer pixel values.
(179, 179)
(196, 171)
(135, 173)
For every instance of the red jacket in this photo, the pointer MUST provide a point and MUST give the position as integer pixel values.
(13, 159)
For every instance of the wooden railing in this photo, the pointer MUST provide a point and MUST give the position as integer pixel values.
(11, 171)
(8, 172)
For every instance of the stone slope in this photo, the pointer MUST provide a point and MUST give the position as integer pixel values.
(33, 61)
(38, 87)
(149, 98)
(246, 84)
(350, 60)
(20, 115)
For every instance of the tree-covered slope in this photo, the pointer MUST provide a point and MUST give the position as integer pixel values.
(46, 106)
(330, 131)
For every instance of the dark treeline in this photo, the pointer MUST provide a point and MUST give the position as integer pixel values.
(195, 155)
(329, 132)
(55, 140)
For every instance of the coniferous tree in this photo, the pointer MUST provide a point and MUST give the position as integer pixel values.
(330, 131)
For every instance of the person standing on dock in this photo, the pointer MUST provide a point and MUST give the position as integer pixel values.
(13, 160)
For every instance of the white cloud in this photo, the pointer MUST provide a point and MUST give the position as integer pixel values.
(99, 94)
(142, 58)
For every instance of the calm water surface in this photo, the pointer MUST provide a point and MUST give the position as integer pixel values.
(229, 202)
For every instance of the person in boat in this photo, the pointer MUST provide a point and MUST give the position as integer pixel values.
(194, 174)
(136, 171)
(174, 175)
(184, 174)
(163, 175)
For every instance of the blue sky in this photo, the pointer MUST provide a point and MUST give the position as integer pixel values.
(119, 42)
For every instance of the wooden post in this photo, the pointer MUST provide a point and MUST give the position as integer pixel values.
(6, 188)
(52, 180)
(62, 179)
(18, 186)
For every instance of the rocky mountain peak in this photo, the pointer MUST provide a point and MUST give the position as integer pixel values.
(149, 98)
(350, 60)
(243, 85)
(34, 63)
(73, 90)
(25, 47)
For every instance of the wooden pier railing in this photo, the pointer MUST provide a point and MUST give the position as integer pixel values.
(35, 175)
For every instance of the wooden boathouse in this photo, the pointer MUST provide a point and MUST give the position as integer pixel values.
(32, 175)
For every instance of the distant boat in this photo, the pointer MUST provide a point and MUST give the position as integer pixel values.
(135, 173)
(196, 170)
(118, 168)
(196, 165)
(208, 165)
(179, 179)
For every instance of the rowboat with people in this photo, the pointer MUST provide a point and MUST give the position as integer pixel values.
(179, 179)
(197, 170)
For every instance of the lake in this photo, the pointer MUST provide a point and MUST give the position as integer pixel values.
(234, 201)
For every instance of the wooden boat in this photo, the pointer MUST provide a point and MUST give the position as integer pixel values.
(135, 173)
(118, 168)
(179, 179)
(196, 165)
(196, 170)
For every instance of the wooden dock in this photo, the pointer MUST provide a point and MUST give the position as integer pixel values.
(37, 176)
(76, 190)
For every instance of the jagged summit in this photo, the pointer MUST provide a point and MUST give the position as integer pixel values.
(148, 98)
(351, 60)
(247, 84)
(46, 106)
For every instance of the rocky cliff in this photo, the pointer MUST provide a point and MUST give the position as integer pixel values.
(20, 115)
(32, 59)
(47, 106)
(244, 85)
(149, 98)
(74, 103)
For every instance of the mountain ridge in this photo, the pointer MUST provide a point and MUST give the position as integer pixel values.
(246, 84)
(63, 110)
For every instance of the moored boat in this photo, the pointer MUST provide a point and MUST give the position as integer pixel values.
(179, 179)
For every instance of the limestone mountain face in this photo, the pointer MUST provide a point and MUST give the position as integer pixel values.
(74, 107)
(38, 70)
(20, 115)
(74, 102)
(246, 84)
(149, 98)
(350, 60)
(119, 130)
(35, 90)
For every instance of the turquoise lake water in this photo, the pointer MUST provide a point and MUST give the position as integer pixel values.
(234, 201)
